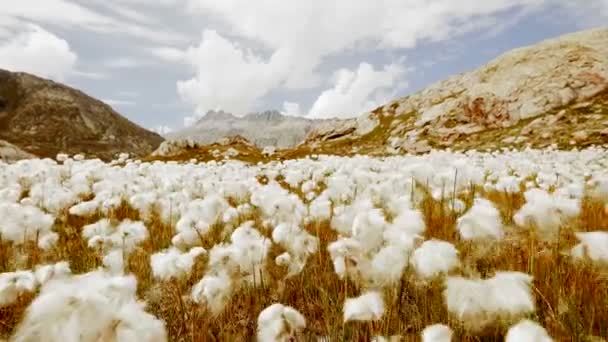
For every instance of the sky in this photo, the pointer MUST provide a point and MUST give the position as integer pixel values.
(165, 63)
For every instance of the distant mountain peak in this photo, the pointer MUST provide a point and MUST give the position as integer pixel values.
(217, 115)
(266, 128)
(268, 115)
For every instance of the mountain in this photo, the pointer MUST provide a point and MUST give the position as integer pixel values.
(554, 92)
(44, 118)
(269, 128)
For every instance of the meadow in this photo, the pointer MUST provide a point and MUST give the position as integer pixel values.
(446, 246)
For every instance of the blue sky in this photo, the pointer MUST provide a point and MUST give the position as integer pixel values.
(166, 62)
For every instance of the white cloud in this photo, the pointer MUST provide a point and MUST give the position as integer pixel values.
(167, 54)
(227, 77)
(66, 13)
(56, 12)
(121, 9)
(162, 130)
(8, 26)
(302, 33)
(300, 36)
(291, 109)
(37, 51)
(355, 92)
(155, 3)
(190, 121)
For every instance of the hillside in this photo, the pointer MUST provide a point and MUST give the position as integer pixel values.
(44, 118)
(554, 92)
(269, 128)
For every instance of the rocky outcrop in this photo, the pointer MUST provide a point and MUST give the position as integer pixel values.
(45, 118)
(516, 87)
(269, 128)
(177, 146)
(10, 153)
(234, 148)
(337, 129)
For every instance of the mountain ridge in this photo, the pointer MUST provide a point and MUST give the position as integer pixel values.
(267, 128)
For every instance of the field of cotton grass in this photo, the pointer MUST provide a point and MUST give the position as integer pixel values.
(446, 246)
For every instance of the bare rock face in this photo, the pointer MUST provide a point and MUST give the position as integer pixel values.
(520, 85)
(10, 153)
(45, 118)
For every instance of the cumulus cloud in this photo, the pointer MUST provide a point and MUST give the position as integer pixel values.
(299, 36)
(359, 91)
(37, 51)
(226, 77)
(302, 33)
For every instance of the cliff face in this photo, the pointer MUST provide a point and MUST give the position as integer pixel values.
(552, 92)
(44, 118)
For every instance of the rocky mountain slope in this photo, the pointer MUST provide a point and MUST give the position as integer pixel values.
(269, 128)
(554, 92)
(44, 118)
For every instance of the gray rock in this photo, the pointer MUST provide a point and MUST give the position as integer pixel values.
(269, 128)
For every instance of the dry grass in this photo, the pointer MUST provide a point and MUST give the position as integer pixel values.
(571, 297)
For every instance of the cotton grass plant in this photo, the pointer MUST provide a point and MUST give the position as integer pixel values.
(440, 247)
